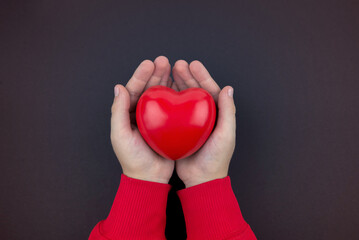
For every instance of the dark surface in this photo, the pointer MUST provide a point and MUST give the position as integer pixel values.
(294, 68)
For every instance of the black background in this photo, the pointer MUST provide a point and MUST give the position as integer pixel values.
(293, 65)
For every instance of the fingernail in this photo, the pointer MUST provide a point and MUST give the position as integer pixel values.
(116, 90)
(230, 92)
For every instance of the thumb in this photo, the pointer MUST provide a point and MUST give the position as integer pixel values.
(226, 123)
(120, 118)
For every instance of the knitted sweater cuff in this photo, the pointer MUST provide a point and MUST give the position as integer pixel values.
(211, 211)
(138, 211)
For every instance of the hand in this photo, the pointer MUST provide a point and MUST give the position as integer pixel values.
(212, 160)
(135, 156)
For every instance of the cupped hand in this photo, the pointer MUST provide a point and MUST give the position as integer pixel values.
(212, 160)
(135, 156)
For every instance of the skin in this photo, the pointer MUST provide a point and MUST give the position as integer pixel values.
(138, 160)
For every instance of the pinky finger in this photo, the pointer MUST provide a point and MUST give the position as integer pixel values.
(169, 82)
(175, 87)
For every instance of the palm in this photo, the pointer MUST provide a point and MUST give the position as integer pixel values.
(196, 162)
(145, 156)
(136, 157)
(212, 159)
(207, 160)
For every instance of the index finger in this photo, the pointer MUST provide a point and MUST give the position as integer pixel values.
(138, 81)
(204, 79)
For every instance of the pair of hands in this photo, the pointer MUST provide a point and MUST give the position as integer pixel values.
(138, 160)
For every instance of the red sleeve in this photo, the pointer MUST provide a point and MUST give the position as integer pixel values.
(211, 211)
(138, 212)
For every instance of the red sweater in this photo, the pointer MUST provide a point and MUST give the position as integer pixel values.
(139, 212)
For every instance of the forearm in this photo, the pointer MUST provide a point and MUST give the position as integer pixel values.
(211, 211)
(138, 212)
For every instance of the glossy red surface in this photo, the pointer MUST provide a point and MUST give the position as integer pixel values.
(175, 124)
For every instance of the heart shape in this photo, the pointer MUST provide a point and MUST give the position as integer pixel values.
(175, 124)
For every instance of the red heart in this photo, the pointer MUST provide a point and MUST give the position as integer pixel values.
(175, 124)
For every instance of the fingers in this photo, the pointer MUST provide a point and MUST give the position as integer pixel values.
(226, 123)
(161, 72)
(204, 79)
(120, 118)
(183, 76)
(166, 79)
(138, 81)
(181, 85)
(174, 87)
(169, 82)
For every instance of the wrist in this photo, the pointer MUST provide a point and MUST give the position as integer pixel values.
(146, 177)
(197, 181)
